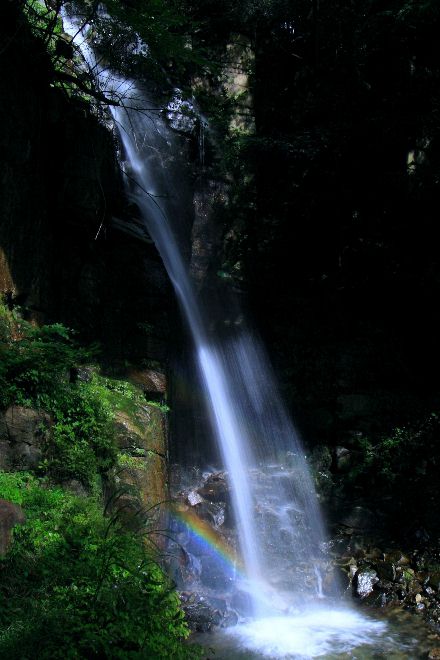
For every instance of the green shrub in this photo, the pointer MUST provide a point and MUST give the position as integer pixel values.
(81, 443)
(405, 454)
(6, 323)
(397, 475)
(34, 372)
(76, 584)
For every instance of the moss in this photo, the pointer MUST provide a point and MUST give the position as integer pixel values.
(126, 461)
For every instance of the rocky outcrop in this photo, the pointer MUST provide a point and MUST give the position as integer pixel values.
(139, 482)
(61, 256)
(22, 432)
(203, 616)
(151, 382)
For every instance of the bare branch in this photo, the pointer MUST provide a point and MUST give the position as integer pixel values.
(62, 76)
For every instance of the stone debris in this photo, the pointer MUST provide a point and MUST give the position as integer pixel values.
(193, 498)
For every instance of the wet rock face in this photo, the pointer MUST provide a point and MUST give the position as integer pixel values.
(360, 518)
(215, 488)
(388, 578)
(336, 582)
(212, 573)
(206, 232)
(61, 256)
(140, 479)
(203, 616)
(202, 548)
(22, 432)
(204, 556)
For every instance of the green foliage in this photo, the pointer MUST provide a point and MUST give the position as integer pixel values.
(81, 443)
(6, 323)
(163, 407)
(75, 584)
(159, 25)
(135, 38)
(122, 387)
(35, 372)
(126, 397)
(399, 474)
(397, 457)
(45, 21)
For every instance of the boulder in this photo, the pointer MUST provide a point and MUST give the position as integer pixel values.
(82, 374)
(22, 433)
(213, 512)
(386, 570)
(242, 602)
(193, 498)
(434, 580)
(215, 488)
(364, 581)
(10, 515)
(200, 615)
(342, 459)
(75, 487)
(397, 557)
(151, 382)
(360, 518)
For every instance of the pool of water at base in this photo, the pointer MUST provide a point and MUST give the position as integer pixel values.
(338, 633)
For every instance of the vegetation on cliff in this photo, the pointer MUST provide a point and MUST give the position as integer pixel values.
(36, 372)
(76, 581)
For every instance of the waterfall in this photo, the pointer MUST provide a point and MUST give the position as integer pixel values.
(275, 506)
(249, 422)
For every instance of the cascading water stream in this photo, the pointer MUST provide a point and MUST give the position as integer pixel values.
(233, 379)
(139, 134)
(248, 418)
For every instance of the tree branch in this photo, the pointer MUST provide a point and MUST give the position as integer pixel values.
(62, 76)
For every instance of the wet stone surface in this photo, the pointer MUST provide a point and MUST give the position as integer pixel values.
(364, 581)
(385, 578)
(399, 586)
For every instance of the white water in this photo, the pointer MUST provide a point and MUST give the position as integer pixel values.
(319, 633)
(310, 634)
(248, 419)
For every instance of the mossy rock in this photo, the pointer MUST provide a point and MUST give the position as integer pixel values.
(141, 465)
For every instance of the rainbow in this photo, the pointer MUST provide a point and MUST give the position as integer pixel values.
(209, 540)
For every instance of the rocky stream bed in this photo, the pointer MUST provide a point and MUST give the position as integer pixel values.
(385, 583)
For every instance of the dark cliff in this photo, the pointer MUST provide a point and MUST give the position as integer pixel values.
(60, 257)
